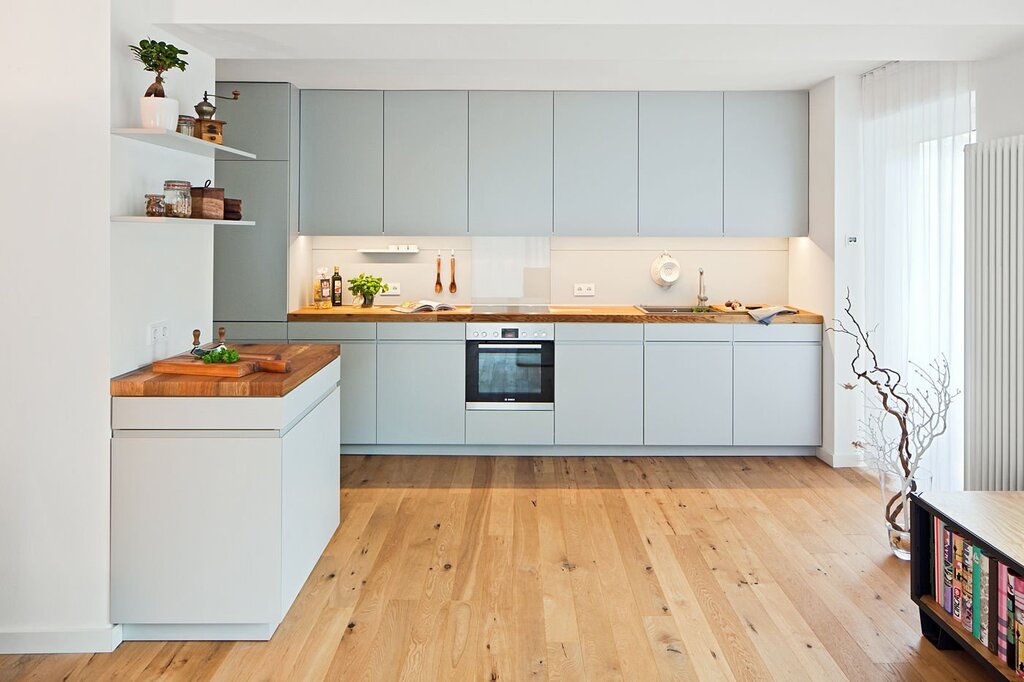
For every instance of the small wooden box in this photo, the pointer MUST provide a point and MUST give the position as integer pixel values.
(210, 130)
(208, 203)
(232, 209)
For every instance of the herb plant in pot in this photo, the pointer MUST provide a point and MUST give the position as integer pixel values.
(367, 286)
(158, 111)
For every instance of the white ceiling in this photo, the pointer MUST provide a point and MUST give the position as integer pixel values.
(553, 44)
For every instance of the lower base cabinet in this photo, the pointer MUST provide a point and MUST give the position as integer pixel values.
(421, 391)
(599, 390)
(509, 427)
(688, 393)
(777, 389)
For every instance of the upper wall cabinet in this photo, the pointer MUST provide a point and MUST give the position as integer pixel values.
(258, 121)
(765, 164)
(681, 164)
(426, 169)
(595, 163)
(510, 144)
(341, 162)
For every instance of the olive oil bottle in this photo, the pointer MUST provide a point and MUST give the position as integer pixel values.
(337, 286)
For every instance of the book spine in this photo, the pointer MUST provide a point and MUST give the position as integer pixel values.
(1011, 634)
(982, 618)
(1001, 610)
(993, 606)
(1018, 616)
(947, 570)
(967, 588)
(976, 591)
(938, 555)
(958, 546)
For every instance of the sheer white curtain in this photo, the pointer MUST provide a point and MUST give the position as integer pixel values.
(917, 117)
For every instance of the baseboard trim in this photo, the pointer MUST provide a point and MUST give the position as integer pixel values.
(842, 461)
(174, 632)
(79, 641)
(580, 450)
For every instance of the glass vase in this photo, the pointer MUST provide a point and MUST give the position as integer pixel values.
(896, 507)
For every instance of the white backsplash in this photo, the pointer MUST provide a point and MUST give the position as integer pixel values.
(510, 268)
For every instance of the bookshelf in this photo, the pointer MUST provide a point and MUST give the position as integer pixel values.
(993, 521)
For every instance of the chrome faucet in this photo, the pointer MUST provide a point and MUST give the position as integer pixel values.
(702, 295)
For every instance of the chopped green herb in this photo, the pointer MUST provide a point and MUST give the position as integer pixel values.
(226, 355)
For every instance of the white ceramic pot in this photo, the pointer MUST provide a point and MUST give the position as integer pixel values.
(665, 270)
(159, 112)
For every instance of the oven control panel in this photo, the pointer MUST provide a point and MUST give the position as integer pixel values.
(509, 331)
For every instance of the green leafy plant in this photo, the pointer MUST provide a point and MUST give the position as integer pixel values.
(158, 57)
(366, 286)
(225, 355)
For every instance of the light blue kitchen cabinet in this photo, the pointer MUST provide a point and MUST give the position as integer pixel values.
(599, 391)
(250, 263)
(777, 389)
(595, 152)
(426, 167)
(358, 373)
(510, 165)
(680, 165)
(421, 384)
(688, 393)
(258, 122)
(341, 163)
(766, 164)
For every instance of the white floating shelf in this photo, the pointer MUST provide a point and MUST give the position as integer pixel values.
(178, 221)
(174, 140)
(390, 252)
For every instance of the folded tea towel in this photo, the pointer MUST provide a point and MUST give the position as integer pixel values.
(766, 315)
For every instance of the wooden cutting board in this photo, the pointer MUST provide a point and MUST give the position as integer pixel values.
(189, 364)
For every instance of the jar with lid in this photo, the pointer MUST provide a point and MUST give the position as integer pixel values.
(178, 198)
(155, 205)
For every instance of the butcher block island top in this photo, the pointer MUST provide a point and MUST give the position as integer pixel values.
(627, 314)
(306, 360)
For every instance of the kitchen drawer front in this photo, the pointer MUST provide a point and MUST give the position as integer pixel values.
(778, 332)
(508, 427)
(422, 331)
(688, 331)
(252, 332)
(575, 331)
(329, 331)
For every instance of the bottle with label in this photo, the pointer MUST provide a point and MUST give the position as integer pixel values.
(337, 286)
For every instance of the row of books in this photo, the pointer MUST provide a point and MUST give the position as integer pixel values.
(982, 593)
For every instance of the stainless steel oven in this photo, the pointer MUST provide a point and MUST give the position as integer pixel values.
(510, 366)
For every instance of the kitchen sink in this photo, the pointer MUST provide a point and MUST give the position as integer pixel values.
(671, 310)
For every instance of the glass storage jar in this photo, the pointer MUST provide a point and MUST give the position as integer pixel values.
(178, 198)
(155, 205)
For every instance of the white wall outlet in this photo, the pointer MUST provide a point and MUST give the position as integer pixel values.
(394, 289)
(583, 289)
(156, 332)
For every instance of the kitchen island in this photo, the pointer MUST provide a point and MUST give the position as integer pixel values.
(224, 493)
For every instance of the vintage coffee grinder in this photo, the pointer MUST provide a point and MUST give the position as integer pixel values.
(206, 127)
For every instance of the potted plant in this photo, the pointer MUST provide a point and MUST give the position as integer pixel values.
(904, 419)
(367, 286)
(158, 111)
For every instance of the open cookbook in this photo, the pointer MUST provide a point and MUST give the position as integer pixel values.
(422, 307)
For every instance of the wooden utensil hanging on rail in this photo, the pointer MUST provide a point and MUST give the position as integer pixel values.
(452, 288)
(438, 287)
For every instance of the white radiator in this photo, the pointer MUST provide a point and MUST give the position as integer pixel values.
(994, 325)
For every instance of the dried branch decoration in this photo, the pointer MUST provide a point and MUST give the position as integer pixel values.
(921, 413)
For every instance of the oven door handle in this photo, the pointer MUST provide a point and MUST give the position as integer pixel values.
(509, 346)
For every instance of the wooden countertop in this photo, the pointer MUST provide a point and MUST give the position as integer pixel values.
(627, 314)
(306, 361)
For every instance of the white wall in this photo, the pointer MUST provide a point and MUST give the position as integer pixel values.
(751, 270)
(822, 266)
(55, 301)
(158, 273)
(999, 98)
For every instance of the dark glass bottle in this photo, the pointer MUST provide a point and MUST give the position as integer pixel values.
(336, 287)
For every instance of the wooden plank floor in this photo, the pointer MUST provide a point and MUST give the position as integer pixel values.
(466, 568)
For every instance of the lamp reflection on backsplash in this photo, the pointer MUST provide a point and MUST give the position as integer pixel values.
(515, 270)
